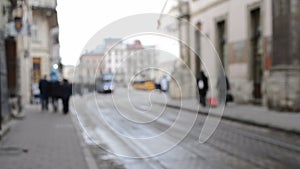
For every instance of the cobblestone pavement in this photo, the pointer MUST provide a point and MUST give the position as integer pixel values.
(233, 145)
(42, 140)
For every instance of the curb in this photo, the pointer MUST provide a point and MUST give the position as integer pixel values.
(8, 125)
(88, 157)
(5, 129)
(252, 123)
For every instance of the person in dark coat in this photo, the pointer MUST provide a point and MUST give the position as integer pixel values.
(44, 92)
(54, 94)
(229, 96)
(222, 91)
(66, 92)
(202, 83)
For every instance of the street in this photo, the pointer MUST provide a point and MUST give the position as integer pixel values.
(137, 133)
(174, 84)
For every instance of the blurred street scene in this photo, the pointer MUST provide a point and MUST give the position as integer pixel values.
(203, 84)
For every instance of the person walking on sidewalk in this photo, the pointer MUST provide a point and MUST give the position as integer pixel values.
(202, 83)
(221, 89)
(44, 92)
(229, 96)
(66, 92)
(54, 94)
(164, 84)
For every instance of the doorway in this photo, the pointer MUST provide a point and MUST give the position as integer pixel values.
(198, 58)
(221, 41)
(11, 62)
(256, 54)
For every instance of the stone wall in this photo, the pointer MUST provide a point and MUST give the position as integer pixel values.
(283, 83)
(283, 90)
(3, 80)
(183, 83)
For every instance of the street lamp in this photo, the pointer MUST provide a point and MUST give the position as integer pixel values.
(55, 66)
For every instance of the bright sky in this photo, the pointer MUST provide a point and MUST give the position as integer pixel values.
(80, 20)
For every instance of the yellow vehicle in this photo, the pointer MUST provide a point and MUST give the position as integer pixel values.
(144, 85)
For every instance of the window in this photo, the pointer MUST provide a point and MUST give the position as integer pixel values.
(36, 68)
(35, 32)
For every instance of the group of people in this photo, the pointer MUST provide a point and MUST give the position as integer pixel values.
(55, 90)
(202, 84)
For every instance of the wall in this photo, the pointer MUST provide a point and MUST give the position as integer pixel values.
(283, 91)
(4, 108)
(40, 47)
(237, 57)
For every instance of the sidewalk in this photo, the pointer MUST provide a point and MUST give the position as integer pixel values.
(42, 140)
(250, 114)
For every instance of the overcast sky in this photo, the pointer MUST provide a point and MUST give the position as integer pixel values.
(80, 20)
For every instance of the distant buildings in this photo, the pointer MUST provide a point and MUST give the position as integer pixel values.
(68, 73)
(115, 59)
(139, 59)
(89, 68)
(122, 60)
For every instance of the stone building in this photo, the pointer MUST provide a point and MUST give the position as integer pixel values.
(4, 95)
(283, 81)
(241, 32)
(17, 47)
(31, 44)
(44, 48)
(124, 60)
(114, 59)
(257, 44)
(139, 59)
(184, 73)
(89, 68)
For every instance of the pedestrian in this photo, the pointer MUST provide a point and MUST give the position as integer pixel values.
(54, 94)
(229, 96)
(66, 92)
(44, 92)
(35, 93)
(164, 84)
(157, 83)
(202, 83)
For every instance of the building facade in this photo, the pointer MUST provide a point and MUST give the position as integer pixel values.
(185, 75)
(68, 73)
(31, 44)
(44, 49)
(17, 47)
(5, 13)
(138, 60)
(249, 37)
(114, 59)
(125, 60)
(241, 32)
(283, 81)
(89, 68)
